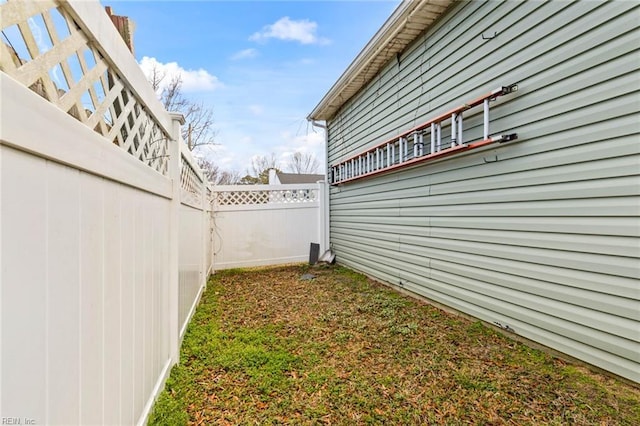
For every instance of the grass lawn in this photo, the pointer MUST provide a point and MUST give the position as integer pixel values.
(265, 347)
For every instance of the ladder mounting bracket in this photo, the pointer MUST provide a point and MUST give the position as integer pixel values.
(509, 89)
(509, 137)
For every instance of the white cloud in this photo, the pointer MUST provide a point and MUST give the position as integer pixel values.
(38, 35)
(221, 156)
(234, 156)
(313, 142)
(192, 80)
(256, 109)
(303, 31)
(245, 54)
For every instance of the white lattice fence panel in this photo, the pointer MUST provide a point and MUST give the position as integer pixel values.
(190, 183)
(293, 196)
(46, 50)
(242, 197)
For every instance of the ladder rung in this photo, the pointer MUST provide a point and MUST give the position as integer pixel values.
(372, 161)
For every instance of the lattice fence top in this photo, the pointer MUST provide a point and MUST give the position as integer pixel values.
(190, 183)
(46, 50)
(266, 196)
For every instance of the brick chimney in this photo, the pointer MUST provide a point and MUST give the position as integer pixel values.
(124, 25)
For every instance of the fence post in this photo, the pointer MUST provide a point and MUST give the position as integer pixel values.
(212, 228)
(174, 237)
(204, 231)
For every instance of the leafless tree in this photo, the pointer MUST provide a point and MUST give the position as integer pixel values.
(229, 177)
(262, 163)
(155, 78)
(198, 130)
(217, 176)
(259, 172)
(303, 163)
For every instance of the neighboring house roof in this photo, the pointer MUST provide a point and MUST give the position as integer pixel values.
(285, 178)
(407, 22)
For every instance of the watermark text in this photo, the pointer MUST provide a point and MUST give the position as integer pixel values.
(16, 421)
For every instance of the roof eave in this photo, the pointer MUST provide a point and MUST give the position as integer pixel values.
(408, 21)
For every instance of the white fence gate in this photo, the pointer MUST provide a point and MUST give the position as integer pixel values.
(268, 224)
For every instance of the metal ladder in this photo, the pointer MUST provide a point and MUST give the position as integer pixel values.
(409, 147)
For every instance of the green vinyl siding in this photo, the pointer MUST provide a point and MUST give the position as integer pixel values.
(541, 234)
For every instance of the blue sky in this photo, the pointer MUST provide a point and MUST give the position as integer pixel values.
(262, 66)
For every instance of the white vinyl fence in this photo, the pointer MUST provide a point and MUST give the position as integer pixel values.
(268, 224)
(194, 236)
(105, 238)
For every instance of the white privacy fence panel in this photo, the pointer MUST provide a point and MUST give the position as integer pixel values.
(85, 326)
(195, 236)
(191, 274)
(104, 246)
(85, 315)
(267, 224)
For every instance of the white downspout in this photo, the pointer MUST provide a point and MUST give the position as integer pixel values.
(325, 242)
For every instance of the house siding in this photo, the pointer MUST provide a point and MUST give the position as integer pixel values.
(542, 234)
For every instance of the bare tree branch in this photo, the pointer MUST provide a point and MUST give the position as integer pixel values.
(217, 176)
(198, 130)
(303, 163)
(155, 78)
(261, 163)
(259, 172)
